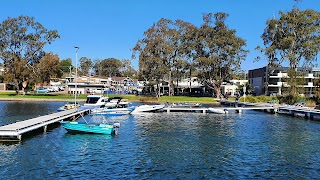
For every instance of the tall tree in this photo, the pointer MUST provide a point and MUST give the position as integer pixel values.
(22, 40)
(86, 66)
(65, 65)
(127, 70)
(181, 67)
(111, 67)
(187, 45)
(47, 68)
(158, 51)
(97, 67)
(219, 51)
(293, 38)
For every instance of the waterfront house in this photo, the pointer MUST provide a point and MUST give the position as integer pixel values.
(231, 87)
(88, 85)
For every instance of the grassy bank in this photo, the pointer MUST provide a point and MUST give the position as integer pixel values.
(133, 98)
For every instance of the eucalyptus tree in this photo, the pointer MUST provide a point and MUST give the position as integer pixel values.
(293, 38)
(22, 40)
(158, 52)
(181, 67)
(97, 68)
(187, 45)
(219, 51)
(65, 65)
(127, 70)
(1, 75)
(47, 68)
(110, 67)
(86, 66)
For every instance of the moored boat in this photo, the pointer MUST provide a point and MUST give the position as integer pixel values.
(97, 125)
(77, 127)
(147, 108)
(117, 102)
(96, 101)
(218, 110)
(69, 105)
(179, 105)
(113, 111)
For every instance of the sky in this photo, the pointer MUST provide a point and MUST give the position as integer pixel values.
(110, 28)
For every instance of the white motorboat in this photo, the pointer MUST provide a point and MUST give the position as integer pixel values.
(218, 110)
(112, 103)
(117, 102)
(179, 105)
(96, 101)
(113, 111)
(147, 108)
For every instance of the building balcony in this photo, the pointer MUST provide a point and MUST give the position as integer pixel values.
(279, 75)
(275, 84)
(310, 84)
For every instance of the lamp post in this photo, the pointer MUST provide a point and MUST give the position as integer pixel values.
(75, 90)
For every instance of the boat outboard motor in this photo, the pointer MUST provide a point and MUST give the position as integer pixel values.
(116, 125)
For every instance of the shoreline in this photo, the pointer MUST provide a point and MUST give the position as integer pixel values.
(39, 99)
(82, 100)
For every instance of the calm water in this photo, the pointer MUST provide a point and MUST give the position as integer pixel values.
(253, 145)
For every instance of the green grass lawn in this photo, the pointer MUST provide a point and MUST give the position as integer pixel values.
(133, 98)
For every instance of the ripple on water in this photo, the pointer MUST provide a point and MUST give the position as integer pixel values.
(252, 145)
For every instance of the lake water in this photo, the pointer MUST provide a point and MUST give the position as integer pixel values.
(251, 145)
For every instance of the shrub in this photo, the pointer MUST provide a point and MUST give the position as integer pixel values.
(289, 99)
(310, 103)
(255, 99)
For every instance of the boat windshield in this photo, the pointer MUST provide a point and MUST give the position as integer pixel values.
(92, 100)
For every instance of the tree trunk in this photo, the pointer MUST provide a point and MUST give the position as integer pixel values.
(169, 82)
(16, 86)
(217, 91)
(158, 90)
(190, 82)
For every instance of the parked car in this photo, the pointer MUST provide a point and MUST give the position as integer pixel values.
(42, 90)
(50, 89)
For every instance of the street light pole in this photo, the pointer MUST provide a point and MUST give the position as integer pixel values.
(75, 90)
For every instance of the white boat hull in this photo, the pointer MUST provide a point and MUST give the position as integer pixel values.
(218, 110)
(147, 108)
(113, 111)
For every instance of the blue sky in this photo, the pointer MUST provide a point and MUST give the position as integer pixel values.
(110, 28)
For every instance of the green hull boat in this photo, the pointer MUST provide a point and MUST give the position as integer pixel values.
(90, 128)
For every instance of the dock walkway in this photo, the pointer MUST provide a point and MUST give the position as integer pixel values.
(306, 112)
(205, 110)
(14, 131)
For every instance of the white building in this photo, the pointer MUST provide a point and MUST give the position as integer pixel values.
(232, 87)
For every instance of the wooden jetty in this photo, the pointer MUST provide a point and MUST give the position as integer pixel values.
(14, 131)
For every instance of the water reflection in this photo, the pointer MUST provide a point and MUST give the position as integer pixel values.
(230, 146)
(13, 111)
(251, 145)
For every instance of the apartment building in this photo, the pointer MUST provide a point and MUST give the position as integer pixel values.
(267, 81)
